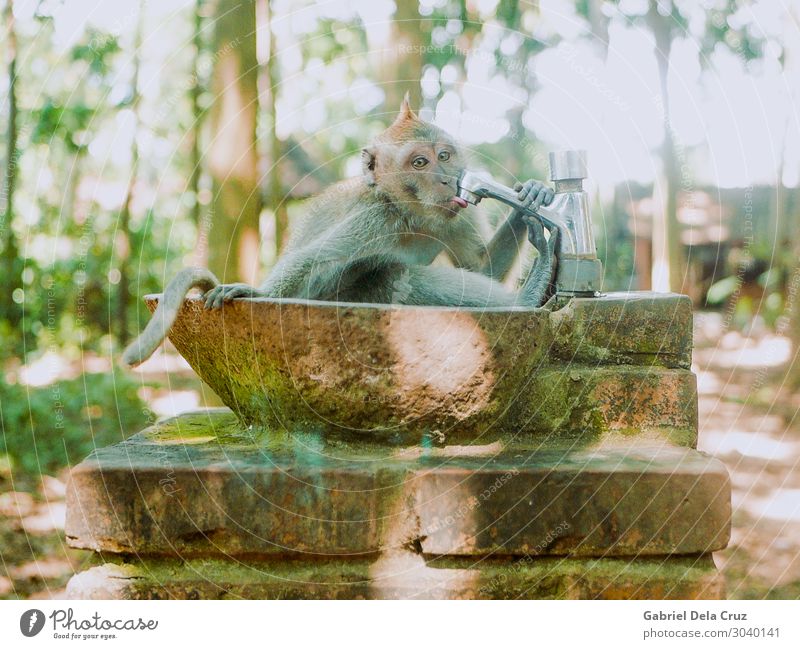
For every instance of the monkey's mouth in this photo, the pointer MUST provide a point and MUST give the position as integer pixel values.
(459, 202)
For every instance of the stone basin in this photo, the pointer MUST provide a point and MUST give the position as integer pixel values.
(585, 371)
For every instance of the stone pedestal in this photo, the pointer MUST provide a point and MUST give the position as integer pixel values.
(600, 494)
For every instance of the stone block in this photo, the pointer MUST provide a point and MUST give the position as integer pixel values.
(188, 488)
(639, 327)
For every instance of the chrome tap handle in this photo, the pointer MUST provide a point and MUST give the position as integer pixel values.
(473, 186)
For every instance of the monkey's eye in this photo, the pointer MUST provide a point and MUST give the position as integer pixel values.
(444, 156)
(419, 162)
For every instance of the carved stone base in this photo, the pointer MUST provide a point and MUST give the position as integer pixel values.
(197, 506)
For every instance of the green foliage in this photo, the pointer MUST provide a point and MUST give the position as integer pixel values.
(63, 122)
(616, 252)
(96, 51)
(719, 31)
(770, 307)
(43, 429)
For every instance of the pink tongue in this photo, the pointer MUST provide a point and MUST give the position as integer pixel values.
(460, 201)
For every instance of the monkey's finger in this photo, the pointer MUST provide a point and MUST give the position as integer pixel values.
(552, 242)
(227, 295)
(549, 196)
(238, 291)
(530, 195)
(219, 297)
(528, 188)
(210, 296)
(539, 199)
(536, 233)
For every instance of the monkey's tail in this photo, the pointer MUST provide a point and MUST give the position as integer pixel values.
(165, 315)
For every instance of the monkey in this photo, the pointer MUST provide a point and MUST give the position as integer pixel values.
(374, 239)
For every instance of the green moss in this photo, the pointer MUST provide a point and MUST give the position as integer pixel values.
(523, 578)
(218, 423)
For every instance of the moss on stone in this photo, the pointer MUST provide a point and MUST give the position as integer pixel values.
(540, 578)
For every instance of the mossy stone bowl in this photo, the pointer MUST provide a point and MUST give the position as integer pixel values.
(431, 375)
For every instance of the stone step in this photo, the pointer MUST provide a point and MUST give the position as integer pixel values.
(637, 327)
(176, 489)
(403, 575)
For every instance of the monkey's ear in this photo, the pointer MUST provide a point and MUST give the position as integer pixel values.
(368, 165)
(405, 109)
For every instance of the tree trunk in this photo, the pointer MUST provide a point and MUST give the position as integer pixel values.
(789, 217)
(276, 194)
(123, 239)
(598, 22)
(199, 213)
(668, 264)
(9, 251)
(402, 64)
(233, 158)
(194, 98)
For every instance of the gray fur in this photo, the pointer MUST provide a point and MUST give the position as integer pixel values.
(164, 317)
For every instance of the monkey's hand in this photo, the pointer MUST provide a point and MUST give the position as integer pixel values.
(538, 287)
(534, 194)
(227, 292)
(544, 246)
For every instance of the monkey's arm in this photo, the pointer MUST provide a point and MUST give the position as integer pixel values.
(384, 279)
(442, 286)
(496, 258)
(164, 317)
(285, 280)
(306, 270)
(503, 249)
(537, 287)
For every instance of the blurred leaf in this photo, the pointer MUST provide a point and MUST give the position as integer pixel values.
(720, 291)
(97, 51)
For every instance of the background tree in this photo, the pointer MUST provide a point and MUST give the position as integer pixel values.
(10, 263)
(403, 58)
(123, 239)
(195, 91)
(232, 152)
(277, 199)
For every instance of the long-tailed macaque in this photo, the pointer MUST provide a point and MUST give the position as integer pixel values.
(373, 239)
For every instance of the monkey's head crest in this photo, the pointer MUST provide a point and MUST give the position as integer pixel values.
(408, 127)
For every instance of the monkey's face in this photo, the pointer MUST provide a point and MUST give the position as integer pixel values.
(420, 176)
(417, 166)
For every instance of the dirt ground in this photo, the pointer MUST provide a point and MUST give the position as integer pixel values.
(747, 419)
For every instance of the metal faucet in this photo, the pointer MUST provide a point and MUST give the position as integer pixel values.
(579, 270)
